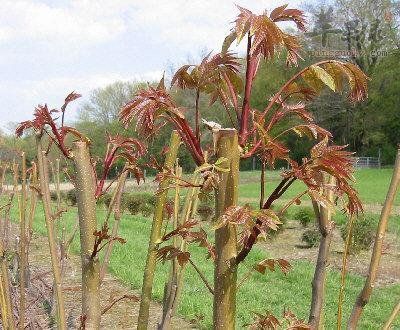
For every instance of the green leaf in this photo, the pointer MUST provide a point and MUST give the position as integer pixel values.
(324, 76)
(229, 39)
(203, 167)
(222, 169)
(220, 160)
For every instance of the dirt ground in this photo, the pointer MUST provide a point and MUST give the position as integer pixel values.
(123, 315)
(288, 243)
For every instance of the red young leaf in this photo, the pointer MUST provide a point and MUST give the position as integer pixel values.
(216, 75)
(44, 117)
(170, 252)
(70, 97)
(189, 236)
(268, 38)
(335, 161)
(126, 148)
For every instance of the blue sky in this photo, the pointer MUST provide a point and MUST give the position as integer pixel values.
(49, 48)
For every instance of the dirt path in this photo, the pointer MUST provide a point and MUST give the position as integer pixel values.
(123, 315)
(288, 244)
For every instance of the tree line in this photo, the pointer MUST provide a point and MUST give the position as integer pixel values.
(364, 32)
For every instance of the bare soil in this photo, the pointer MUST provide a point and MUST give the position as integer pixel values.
(288, 243)
(123, 315)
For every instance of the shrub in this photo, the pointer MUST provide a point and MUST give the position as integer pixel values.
(105, 199)
(71, 197)
(305, 216)
(132, 203)
(146, 209)
(363, 234)
(282, 218)
(205, 211)
(311, 237)
(139, 203)
(53, 195)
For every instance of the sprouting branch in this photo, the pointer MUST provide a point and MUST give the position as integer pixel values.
(247, 93)
(262, 184)
(255, 231)
(125, 296)
(197, 114)
(293, 200)
(366, 292)
(203, 278)
(344, 271)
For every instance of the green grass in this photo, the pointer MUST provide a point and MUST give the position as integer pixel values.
(273, 291)
(372, 185)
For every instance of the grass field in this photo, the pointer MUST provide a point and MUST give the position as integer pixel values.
(372, 185)
(273, 292)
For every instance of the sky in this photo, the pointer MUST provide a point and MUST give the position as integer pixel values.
(50, 48)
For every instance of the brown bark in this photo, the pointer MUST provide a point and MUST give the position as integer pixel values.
(366, 292)
(325, 226)
(115, 205)
(6, 226)
(7, 314)
(171, 287)
(3, 169)
(23, 269)
(392, 317)
(344, 271)
(155, 236)
(33, 199)
(225, 272)
(85, 189)
(45, 195)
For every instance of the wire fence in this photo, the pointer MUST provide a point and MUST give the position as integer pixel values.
(367, 162)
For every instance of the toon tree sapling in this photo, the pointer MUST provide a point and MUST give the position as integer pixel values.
(88, 188)
(260, 131)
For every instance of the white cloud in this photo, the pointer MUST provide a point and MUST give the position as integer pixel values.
(47, 88)
(185, 24)
(51, 47)
(25, 96)
(79, 21)
(182, 23)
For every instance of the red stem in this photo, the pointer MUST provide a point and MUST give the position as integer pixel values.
(251, 240)
(197, 115)
(188, 137)
(247, 93)
(276, 96)
(60, 141)
(107, 166)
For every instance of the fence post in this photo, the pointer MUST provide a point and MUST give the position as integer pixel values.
(379, 158)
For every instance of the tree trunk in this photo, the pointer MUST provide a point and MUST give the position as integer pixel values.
(116, 206)
(6, 308)
(23, 261)
(392, 317)
(32, 201)
(226, 195)
(173, 287)
(43, 170)
(366, 292)
(155, 236)
(325, 226)
(85, 189)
